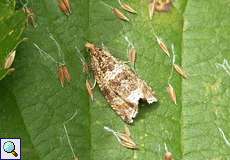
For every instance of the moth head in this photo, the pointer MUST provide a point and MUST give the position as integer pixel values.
(90, 47)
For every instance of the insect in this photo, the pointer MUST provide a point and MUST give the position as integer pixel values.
(120, 85)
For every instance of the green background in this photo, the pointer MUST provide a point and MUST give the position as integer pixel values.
(34, 106)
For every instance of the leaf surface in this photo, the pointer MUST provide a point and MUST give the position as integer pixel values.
(58, 123)
(12, 24)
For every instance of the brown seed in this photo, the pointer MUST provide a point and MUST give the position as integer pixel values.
(63, 5)
(127, 141)
(119, 14)
(89, 89)
(124, 138)
(9, 60)
(151, 8)
(132, 55)
(163, 46)
(31, 17)
(171, 93)
(66, 73)
(128, 8)
(67, 4)
(61, 75)
(180, 71)
(168, 156)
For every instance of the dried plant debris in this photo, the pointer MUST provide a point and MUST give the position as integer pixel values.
(119, 14)
(65, 7)
(116, 12)
(63, 74)
(124, 139)
(151, 8)
(89, 87)
(168, 156)
(30, 16)
(62, 70)
(163, 5)
(9, 60)
(127, 7)
(180, 71)
(132, 55)
(85, 67)
(171, 93)
(162, 45)
(120, 85)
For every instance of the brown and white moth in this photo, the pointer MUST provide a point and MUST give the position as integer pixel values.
(120, 85)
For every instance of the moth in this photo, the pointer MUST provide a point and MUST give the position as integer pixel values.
(121, 86)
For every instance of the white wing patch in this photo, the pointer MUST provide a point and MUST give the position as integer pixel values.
(118, 68)
(135, 96)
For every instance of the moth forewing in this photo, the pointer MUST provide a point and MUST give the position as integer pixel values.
(128, 8)
(171, 93)
(119, 14)
(180, 71)
(9, 60)
(120, 85)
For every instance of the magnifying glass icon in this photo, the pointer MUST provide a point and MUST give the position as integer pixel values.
(9, 147)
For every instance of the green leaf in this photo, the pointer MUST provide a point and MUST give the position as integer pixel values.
(58, 123)
(12, 24)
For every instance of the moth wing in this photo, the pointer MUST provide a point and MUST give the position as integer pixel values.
(131, 88)
(127, 111)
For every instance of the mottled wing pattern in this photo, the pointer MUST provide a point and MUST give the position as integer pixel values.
(127, 111)
(120, 85)
(128, 85)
